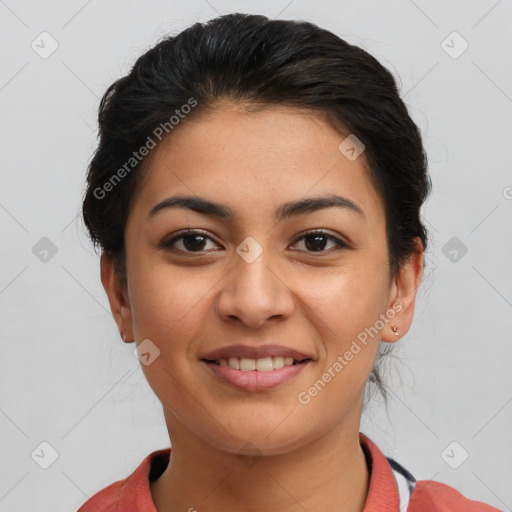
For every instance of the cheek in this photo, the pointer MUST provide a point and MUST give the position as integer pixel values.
(345, 303)
(343, 319)
(345, 308)
(166, 303)
(168, 308)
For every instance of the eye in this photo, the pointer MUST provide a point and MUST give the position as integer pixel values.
(191, 241)
(317, 240)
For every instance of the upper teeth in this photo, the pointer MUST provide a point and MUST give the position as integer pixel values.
(264, 364)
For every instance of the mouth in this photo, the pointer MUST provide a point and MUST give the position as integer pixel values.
(264, 364)
(255, 368)
(253, 375)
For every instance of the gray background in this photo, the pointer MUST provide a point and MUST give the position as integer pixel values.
(67, 379)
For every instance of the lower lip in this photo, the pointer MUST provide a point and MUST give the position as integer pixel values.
(254, 380)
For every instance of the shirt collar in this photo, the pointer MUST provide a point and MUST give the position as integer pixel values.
(382, 491)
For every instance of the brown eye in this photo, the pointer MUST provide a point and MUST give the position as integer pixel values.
(194, 241)
(191, 241)
(315, 241)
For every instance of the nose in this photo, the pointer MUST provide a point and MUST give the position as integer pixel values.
(255, 293)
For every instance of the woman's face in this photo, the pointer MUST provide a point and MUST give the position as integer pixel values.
(253, 278)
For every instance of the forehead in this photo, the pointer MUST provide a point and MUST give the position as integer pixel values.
(254, 160)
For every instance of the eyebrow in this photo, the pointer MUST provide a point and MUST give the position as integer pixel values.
(286, 210)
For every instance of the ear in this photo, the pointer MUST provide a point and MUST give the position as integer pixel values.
(403, 295)
(117, 297)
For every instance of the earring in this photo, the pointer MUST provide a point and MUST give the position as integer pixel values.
(124, 338)
(394, 328)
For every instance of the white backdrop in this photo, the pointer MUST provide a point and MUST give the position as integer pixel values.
(67, 379)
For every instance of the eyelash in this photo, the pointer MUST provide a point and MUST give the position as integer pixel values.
(168, 244)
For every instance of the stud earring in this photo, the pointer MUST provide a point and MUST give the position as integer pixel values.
(394, 328)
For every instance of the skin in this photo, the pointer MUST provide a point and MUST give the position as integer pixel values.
(314, 300)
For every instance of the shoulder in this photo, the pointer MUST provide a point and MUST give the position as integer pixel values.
(393, 488)
(431, 496)
(105, 500)
(132, 493)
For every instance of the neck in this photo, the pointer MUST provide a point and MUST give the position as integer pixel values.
(329, 474)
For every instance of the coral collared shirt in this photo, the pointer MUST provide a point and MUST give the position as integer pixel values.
(392, 488)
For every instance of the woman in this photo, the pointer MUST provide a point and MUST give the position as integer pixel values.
(256, 193)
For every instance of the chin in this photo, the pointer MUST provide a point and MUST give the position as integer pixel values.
(271, 437)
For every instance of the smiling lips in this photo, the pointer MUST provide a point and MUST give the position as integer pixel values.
(263, 358)
(255, 368)
(255, 353)
(264, 364)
